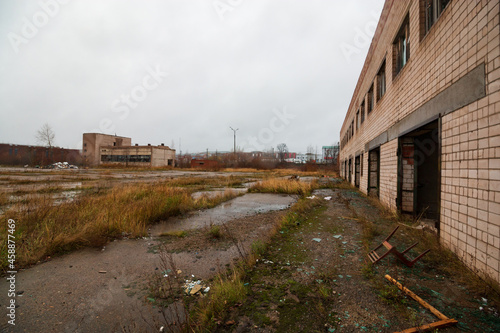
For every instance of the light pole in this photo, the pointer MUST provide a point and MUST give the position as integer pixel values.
(234, 141)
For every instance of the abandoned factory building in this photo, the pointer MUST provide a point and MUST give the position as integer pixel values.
(99, 149)
(422, 132)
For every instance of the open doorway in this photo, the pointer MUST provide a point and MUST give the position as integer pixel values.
(418, 173)
(374, 172)
(350, 170)
(357, 166)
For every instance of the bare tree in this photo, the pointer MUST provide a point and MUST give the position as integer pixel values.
(282, 152)
(45, 135)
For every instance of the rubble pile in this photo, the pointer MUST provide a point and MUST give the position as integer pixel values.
(62, 165)
(191, 287)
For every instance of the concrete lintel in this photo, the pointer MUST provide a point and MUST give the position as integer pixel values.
(377, 142)
(469, 88)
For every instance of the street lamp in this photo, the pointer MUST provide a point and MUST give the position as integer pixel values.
(234, 141)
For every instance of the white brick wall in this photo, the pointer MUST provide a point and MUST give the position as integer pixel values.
(465, 36)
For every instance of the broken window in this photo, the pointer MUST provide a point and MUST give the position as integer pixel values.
(381, 81)
(370, 99)
(401, 46)
(432, 9)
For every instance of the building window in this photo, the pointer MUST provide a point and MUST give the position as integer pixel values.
(358, 124)
(370, 99)
(352, 128)
(432, 9)
(381, 82)
(85, 144)
(362, 114)
(401, 47)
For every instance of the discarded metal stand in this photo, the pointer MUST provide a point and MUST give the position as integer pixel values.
(374, 257)
(444, 321)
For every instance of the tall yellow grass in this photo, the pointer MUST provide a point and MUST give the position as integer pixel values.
(44, 229)
(286, 186)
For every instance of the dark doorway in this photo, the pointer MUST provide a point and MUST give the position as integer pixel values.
(350, 171)
(428, 180)
(357, 164)
(374, 172)
(418, 175)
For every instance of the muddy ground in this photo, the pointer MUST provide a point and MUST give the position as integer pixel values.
(313, 277)
(106, 289)
(316, 278)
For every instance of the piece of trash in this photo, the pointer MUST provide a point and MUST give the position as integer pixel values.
(317, 239)
(311, 197)
(328, 198)
(179, 272)
(206, 290)
(195, 289)
(102, 272)
(337, 236)
(340, 276)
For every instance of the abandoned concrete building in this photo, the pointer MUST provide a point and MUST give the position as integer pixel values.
(101, 149)
(422, 132)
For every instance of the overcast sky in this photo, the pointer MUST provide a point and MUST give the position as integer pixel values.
(182, 70)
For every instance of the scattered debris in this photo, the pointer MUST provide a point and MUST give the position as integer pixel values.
(337, 236)
(328, 198)
(374, 257)
(103, 272)
(62, 165)
(317, 239)
(195, 287)
(311, 197)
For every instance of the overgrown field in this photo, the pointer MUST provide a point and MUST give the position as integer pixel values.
(44, 229)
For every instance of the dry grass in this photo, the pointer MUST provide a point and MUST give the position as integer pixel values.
(285, 186)
(225, 292)
(4, 199)
(43, 229)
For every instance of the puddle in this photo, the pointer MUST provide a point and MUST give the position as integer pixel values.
(247, 205)
(66, 196)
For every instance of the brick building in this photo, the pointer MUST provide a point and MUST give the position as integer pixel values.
(111, 149)
(422, 132)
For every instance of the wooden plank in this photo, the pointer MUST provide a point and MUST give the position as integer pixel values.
(429, 327)
(418, 299)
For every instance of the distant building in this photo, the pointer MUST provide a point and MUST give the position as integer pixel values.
(204, 164)
(101, 149)
(37, 155)
(330, 154)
